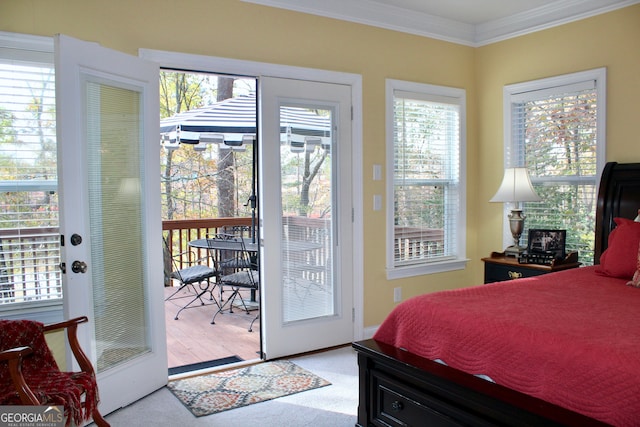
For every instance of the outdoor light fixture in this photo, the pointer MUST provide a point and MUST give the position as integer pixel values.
(296, 146)
(515, 188)
(168, 143)
(311, 142)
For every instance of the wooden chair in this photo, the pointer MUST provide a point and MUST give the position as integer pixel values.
(29, 375)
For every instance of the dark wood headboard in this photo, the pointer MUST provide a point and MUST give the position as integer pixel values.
(618, 196)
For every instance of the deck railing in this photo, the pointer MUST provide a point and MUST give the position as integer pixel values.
(29, 264)
(179, 232)
(413, 243)
(30, 258)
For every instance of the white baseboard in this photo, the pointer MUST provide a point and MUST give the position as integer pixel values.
(370, 331)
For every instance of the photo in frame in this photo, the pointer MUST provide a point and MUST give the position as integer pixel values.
(547, 242)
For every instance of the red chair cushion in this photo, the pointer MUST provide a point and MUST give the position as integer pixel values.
(41, 373)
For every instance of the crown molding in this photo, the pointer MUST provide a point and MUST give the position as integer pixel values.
(548, 16)
(380, 15)
(376, 14)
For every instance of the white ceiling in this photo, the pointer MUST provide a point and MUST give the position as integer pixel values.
(468, 22)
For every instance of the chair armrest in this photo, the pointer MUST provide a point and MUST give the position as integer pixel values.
(13, 357)
(15, 353)
(65, 324)
(71, 326)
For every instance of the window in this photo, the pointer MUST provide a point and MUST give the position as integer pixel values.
(555, 127)
(425, 186)
(29, 236)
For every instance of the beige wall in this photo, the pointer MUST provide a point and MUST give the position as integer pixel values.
(609, 40)
(231, 28)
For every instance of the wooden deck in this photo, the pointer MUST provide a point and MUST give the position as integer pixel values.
(193, 339)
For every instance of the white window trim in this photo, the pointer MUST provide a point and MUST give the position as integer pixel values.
(438, 266)
(232, 66)
(513, 91)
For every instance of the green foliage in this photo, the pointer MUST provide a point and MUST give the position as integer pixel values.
(217, 183)
(560, 150)
(306, 182)
(28, 154)
(7, 131)
(185, 91)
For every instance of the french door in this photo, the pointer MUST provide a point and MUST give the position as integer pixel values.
(306, 217)
(107, 106)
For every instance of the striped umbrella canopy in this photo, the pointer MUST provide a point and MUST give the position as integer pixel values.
(233, 120)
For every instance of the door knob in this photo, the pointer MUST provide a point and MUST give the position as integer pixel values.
(79, 267)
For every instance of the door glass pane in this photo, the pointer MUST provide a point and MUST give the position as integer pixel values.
(307, 168)
(116, 214)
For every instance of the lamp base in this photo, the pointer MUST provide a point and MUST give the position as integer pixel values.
(514, 251)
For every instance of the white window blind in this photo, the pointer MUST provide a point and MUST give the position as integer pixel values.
(29, 239)
(555, 133)
(426, 189)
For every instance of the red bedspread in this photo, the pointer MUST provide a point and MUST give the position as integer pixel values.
(571, 338)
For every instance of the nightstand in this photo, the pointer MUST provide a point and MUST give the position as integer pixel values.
(498, 267)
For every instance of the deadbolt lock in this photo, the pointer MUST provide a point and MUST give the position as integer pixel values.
(76, 239)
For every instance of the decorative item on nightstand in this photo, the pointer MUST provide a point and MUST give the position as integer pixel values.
(544, 247)
(516, 188)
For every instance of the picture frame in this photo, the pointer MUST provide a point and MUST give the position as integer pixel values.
(547, 242)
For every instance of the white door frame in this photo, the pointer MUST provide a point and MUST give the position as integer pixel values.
(318, 324)
(137, 376)
(213, 64)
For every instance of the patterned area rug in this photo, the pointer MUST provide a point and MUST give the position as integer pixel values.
(221, 391)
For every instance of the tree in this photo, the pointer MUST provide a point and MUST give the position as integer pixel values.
(180, 92)
(226, 161)
(7, 131)
(560, 142)
(311, 169)
(203, 185)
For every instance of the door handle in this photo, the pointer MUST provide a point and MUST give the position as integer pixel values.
(79, 267)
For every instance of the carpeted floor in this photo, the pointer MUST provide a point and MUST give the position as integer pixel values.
(221, 391)
(335, 405)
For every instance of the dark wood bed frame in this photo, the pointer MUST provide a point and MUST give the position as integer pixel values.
(399, 388)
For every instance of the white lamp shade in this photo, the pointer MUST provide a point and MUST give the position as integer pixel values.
(516, 187)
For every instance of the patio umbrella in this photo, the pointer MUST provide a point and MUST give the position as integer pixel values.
(232, 124)
(233, 118)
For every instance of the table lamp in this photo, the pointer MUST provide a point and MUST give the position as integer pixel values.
(515, 188)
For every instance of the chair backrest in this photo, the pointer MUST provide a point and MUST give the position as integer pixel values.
(172, 268)
(18, 333)
(241, 267)
(229, 251)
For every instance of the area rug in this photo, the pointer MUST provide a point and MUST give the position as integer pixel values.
(221, 391)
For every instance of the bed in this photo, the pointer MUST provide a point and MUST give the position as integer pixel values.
(557, 349)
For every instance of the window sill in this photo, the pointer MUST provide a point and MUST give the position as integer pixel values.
(45, 312)
(427, 268)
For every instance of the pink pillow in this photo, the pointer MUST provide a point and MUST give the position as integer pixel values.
(620, 259)
(636, 276)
